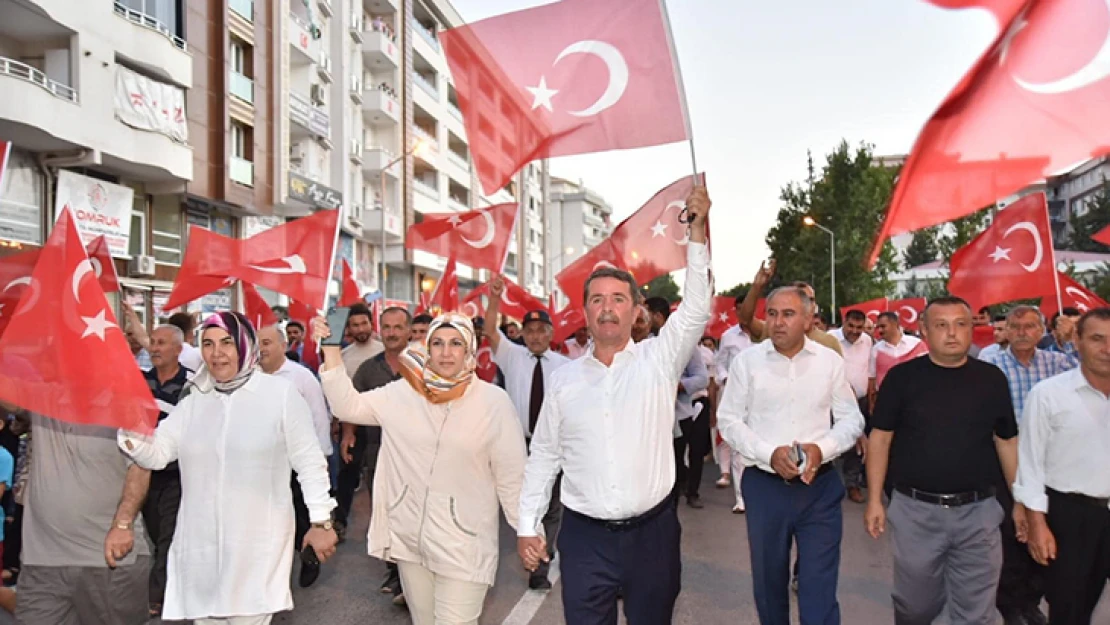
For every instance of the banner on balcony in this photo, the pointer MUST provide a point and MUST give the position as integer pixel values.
(147, 104)
(100, 208)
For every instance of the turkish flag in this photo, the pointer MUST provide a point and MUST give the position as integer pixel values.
(446, 294)
(205, 249)
(515, 301)
(909, 311)
(258, 309)
(487, 368)
(305, 313)
(61, 326)
(1010, 260)
(478, 238)
(871, 308)
(652, 241)
(350, 292)
(572, 77)
(101, 258)
(294, 258)
(1103, 236)
(566, 322)
(572, 278)
(15, 278)
(724, 316)
(1074, 295)
(761, 308)
(1015, 118)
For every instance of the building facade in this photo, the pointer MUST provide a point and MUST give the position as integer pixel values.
(578, 220)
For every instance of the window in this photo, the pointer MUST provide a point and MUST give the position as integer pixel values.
(21, 200)
(167, 12)
(238, 141)
(137, 244)
(238, 57)
(166, 230)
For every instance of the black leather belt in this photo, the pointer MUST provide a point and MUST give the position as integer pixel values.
(946, 500)
(626, 524)
(1099, 502)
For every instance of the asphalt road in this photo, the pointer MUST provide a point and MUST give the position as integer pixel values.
(716, 577)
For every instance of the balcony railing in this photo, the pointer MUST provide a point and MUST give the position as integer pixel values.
(428, 85)
(455, 110)
(242, 8)
(142, 19)
(241, 87)
(15, 69)
(458, 159)
(426, 188)
(241, 171)
(428, 35)
(430, 141)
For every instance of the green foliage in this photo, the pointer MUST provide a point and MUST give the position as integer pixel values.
(737, 290)
(958, 233)
(1095, 218)
(848, 196)
(664, 286)
(924, 248)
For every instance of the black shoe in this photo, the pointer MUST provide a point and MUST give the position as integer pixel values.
(340, 531)
(309, 573)
(1011, 617)
(1034, 616)
(539, 581)
(391, 585)
(694, 501)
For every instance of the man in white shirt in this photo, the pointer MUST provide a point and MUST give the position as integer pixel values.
(856, 347)
(528, 369)
(1001, 340)
(776, 403)
(733, 341)
(895, 348)
(579, 344)
(606, 423)
(272, 346)
(1063, 477)
(190, 355)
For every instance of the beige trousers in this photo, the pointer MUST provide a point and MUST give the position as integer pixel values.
(437, 600)
(261, 619)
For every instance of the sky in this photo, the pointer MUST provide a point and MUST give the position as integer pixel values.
(765, 82)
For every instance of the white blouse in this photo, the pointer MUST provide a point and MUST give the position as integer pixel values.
(232, 552)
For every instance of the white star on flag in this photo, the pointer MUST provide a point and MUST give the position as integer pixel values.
(542, 95)
(454, 220)
(1000, 253)
(659, 229)
(97, 325)
(724, 317)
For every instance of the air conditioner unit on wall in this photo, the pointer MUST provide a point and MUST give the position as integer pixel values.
(141, 267)
(317, 94)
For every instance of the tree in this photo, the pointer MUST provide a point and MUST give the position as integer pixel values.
(848, 196)
(958, 233)
(737, 290)
(1095, 217)
(1099, 281)
(664, 286)
(922, 249)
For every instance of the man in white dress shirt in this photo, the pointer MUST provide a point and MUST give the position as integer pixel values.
(778, 400)
(856, 347)
(579, 344)
(272, 345)
(528, 369)
(1063, 477)
(606, 424)
(733, 341)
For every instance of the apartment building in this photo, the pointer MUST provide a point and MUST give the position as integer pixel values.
(578, 220)
(95, 106)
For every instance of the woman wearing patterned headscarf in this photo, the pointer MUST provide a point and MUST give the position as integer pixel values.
(452, 452)
(236, 434)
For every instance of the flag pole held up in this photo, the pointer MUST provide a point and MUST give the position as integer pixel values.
(334, 250)
(680, 83)
(1055, 269)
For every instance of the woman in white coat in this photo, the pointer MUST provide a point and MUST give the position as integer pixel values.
(237, 435)
(452, 452)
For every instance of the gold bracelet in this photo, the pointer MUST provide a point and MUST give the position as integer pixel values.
(125, 525)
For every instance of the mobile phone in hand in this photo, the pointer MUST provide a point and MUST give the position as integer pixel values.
(337, 323)
(800, 457)
(309, 557)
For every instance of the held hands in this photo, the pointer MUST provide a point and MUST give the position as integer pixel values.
(788, 469)
(532, 551)
(118, 544)
(1042, 544)
(322, 542)
(813, 462)
(1021, 523)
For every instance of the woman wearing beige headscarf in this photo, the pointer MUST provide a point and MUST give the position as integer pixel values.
(452, 450)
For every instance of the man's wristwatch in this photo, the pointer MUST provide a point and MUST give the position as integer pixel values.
(326, 526)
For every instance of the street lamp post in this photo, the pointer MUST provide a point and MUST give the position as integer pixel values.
(810, 221)
(384, 273)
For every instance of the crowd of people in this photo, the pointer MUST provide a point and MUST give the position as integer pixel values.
(986, 466)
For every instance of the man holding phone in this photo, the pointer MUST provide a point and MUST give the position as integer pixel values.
(775, 413)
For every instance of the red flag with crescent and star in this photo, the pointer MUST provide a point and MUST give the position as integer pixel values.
(515, 301)
(258, 310)
(724, 316)
(1033, 104)
(446, 293)
(100, 255)
(566, 322)
(1011, 260)
(909, 311)
(572, 77)
(478, 238)
(1074, 295)
(349, 294)
(871, 308)
(61, 324)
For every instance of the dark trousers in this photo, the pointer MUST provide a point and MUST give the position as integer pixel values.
(1021, 585)
(552, 520)
(778, 514)
(13, 539)
(349, 475)
(695, 437)
(642, 564)
(850, 463)
(1075, 579)
(300, 513)
(160, 518)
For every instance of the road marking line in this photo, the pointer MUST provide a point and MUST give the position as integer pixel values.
(530, 602)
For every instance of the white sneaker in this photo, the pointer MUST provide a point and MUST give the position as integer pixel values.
(724, 481)
(739, 507)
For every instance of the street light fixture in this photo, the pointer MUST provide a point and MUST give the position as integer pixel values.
(811, 222)
(417, 149)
